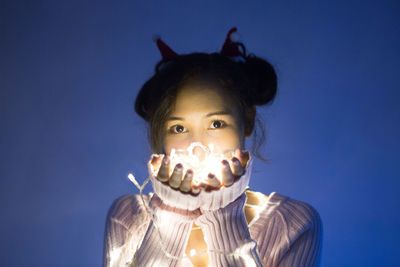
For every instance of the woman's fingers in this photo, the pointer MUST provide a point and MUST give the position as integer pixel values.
(243, 157)
(187, 182)
(176, 177)
(213, 182)
(163, 173)
(156, 161)
(237, 168)
(227, 176)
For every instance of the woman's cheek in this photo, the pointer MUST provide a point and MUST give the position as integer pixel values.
(223, 145)
(224, 140)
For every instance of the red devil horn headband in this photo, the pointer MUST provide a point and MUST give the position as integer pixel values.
(229, 49)
(166, 52)
(231, 46)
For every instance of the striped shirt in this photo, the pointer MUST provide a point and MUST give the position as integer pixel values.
(286, 232)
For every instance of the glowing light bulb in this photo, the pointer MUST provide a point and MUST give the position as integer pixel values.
(192, 252)
(114, 255)
(133, 180)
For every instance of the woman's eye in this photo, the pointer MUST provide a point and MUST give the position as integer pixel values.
(217, 124)
(177, 129)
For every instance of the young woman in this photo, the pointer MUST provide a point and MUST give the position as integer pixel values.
(209, 99)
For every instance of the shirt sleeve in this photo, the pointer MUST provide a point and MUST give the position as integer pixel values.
(305, 245)
(289, 233)
(126, 224)
(227, 236)
(166, 237)
(132, 238)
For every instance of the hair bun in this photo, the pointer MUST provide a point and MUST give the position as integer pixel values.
(264, 81)
(143, 102)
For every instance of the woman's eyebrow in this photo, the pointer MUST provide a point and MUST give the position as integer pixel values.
(222, 112)
(175, 119)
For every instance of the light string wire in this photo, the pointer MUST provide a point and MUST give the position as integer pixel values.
(149, 212)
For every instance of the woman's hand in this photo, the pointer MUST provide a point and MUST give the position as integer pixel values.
(177, 188)
(175, 181)
(232, 171)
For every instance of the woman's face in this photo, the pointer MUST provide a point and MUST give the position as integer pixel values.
(204, 113)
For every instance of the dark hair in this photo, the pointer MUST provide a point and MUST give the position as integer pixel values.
(251, 81)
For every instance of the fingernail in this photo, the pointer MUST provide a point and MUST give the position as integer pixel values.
(166, 160)
(179, 166)
(189, 175)
(213, 181)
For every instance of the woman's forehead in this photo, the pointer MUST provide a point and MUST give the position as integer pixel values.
(202, 96)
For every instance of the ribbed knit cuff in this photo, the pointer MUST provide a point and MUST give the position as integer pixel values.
(163, 246)
(225, 230)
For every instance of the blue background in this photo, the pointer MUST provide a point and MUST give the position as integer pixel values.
(70, 71)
